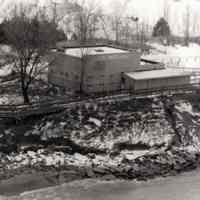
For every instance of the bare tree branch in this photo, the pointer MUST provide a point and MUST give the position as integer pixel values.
(31, 38)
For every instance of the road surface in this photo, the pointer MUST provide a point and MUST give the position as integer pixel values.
(183, 187)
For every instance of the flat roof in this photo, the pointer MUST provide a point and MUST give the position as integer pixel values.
(78, 52)
(157, 74)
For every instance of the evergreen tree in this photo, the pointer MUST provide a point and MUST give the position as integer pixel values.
(3, 38)
(161, 29)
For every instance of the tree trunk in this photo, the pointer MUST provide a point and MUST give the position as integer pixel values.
(24, 88)
(83, 63)
(24, 91)
(81, 82)
(25, 96)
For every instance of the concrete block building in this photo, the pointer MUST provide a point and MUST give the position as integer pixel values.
(105, 68)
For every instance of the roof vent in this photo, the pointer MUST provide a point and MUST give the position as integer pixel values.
(99, 50)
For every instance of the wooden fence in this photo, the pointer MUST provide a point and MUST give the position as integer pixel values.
(19, 112)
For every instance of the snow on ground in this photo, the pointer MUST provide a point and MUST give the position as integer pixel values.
(4, 49)
(131, 155)
(188, 124)
(95, 121)
(10, 99)
(79, 52)
(176, 56)
(185, 107)
(178, 50)
(5, 70)
(58, 159)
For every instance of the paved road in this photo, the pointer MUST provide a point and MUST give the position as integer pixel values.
(183, 187)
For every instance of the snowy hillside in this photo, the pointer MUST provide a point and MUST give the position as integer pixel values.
(176, 56)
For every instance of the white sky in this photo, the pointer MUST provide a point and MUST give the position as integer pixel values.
(150, 10)
(147, 10)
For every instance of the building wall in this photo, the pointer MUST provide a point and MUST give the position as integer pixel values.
(137, 85)
(102, 72)
(65, 71)
(148, 67)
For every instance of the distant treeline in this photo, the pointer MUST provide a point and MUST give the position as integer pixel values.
(60, 35)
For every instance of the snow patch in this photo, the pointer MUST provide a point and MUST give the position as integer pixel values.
(95, 121)
(185, 107)
(5, 70)
(10, 99)
(176, 56)
(131, 155)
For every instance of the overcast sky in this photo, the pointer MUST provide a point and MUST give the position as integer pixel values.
(147, 10)
(150, 10)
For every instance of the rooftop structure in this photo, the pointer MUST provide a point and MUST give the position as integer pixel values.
(157, 74)
(156, 79)
(100, 50)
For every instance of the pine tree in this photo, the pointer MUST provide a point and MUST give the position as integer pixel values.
(3, 38)
(161, 29)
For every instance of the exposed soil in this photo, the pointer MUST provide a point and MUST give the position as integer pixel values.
(104, 140)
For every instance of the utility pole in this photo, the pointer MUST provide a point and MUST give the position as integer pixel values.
(166, 11)
(136, 21)
(55, 11)
(187, 26)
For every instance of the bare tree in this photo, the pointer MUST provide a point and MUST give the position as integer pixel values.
(85, 19)
(117, 18)
(129, 28)
(84, 51)
(195, 28)
(143, 36)
(31, 38)
(126, 31)
(86, 22)
(104, 25)
(166, 16)
(187, 23)
(166, 10)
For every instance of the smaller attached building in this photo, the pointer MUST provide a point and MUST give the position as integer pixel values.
(156, 79)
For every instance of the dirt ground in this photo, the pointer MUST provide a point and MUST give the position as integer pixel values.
(107, 135)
